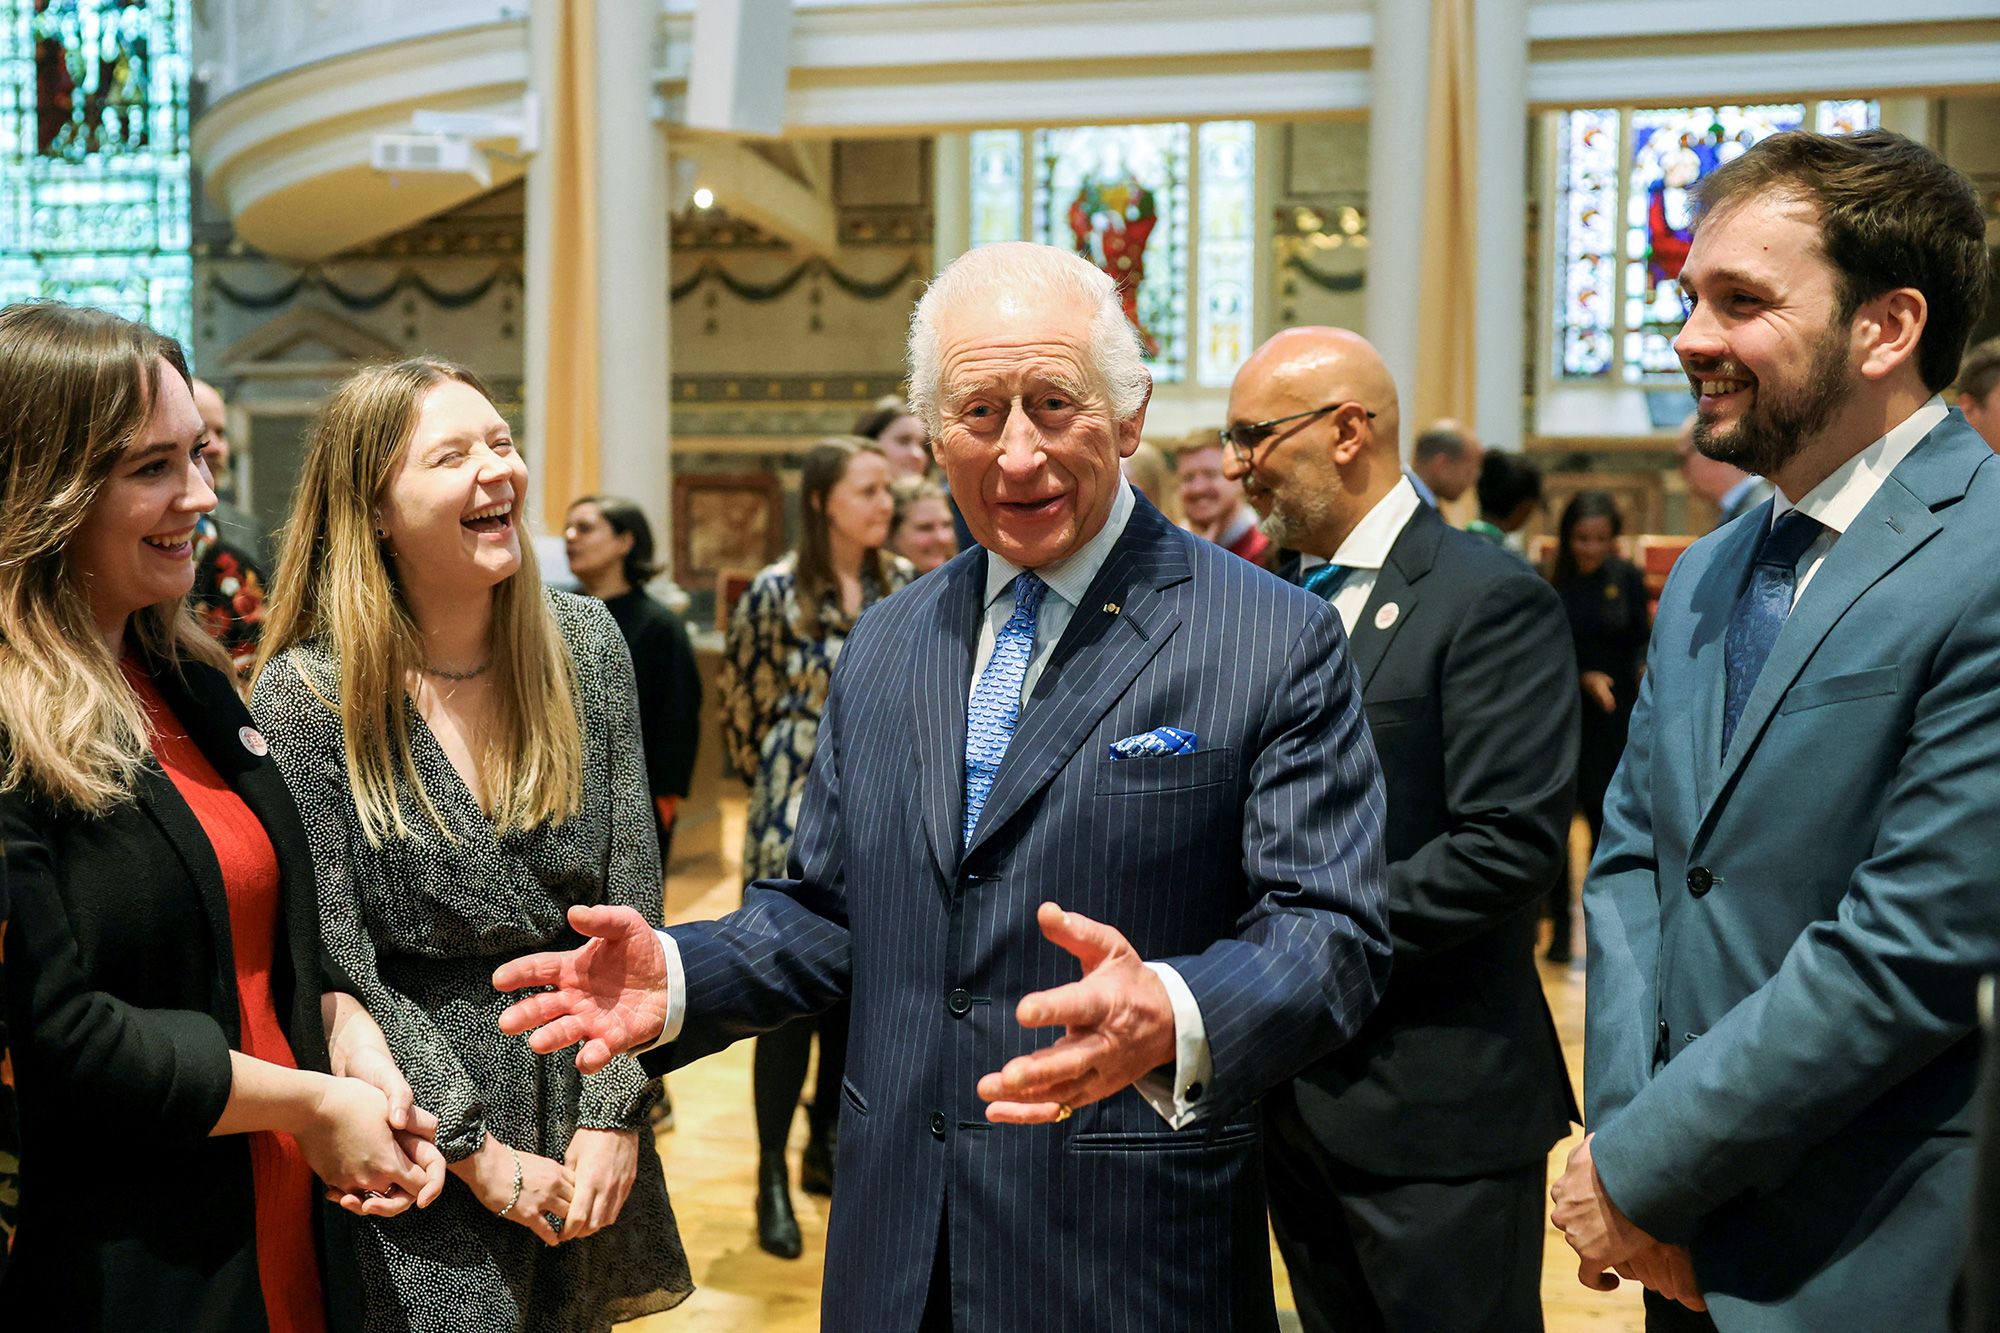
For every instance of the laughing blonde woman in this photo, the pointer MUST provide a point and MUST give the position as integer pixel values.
(465, 747)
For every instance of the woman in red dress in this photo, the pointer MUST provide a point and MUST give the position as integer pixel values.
(186, 1058)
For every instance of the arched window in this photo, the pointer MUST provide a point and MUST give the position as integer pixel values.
(94, 157)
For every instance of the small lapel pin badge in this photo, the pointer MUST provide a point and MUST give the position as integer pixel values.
(253, 741)
(1386, 614)
(1111, 608)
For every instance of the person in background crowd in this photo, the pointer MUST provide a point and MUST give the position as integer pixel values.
(921, 532)
(175, 1022)
(906, 443)
(1212, 503)
(237, 525)
(784, 637)
(901, 437)
(609, 547)
(1793, 901)
(1729, 488)
(230, 553)
(1444, 462)
(1979, 390)
(1150, 471)
(1406, 1168)
(1604, 596)
(465, 747)
(1510, 490)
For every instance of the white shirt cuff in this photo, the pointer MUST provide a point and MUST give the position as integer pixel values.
(1179, 1102)
(676, 995)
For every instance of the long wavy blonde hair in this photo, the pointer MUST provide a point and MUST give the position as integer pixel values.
(76, 388)
(336, 584)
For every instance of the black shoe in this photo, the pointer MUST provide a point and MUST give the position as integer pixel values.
(777, 1225)
(816, 1163)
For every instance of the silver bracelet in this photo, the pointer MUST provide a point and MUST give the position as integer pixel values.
(517, 1183)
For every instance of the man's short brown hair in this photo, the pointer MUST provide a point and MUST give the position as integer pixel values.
(1891, 214)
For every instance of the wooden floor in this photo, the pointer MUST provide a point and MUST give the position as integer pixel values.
(710, 1158)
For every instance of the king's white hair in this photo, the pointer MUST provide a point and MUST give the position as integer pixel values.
(1042, 277)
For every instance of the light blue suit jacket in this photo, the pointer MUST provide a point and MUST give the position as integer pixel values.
(1786, 940)
(1253, 865)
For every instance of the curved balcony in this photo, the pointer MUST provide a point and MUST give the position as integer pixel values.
(297, 92)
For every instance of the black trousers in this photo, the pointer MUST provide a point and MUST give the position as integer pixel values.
(1369, 1252)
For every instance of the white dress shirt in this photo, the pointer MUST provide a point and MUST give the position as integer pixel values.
(1068, 579)
(1366, 550)
(1837, 501)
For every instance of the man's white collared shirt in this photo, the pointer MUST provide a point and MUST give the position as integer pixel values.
(1838, 500)
(1366, 550)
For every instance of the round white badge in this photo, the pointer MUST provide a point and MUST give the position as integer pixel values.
(1385, 615)
(253, 741)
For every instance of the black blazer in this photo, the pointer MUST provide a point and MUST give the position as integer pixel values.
(1469, 683)
(121, 987)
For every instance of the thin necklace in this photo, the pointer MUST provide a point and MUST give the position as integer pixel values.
(442, 674)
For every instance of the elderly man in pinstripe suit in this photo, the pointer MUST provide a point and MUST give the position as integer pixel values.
(1090, 705)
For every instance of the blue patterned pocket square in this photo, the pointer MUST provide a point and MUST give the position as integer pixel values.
(1160, 740)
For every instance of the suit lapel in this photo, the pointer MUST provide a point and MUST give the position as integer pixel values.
(1410, 558)
(1100, 655)
(1896, 522)
(942, 671)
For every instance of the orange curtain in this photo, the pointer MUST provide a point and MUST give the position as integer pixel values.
(568, 381)
(1446, 307)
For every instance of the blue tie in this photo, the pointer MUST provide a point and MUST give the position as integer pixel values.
(1325, 580)
(996, 700)
(1761, 612)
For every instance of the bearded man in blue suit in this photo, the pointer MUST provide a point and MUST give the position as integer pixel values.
(1093, 706)
(1794, 897)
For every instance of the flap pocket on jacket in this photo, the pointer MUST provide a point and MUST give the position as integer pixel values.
(853, 1096)
(1165, 772)
(1840, 689)
(1389, 712)
(1196, 1138)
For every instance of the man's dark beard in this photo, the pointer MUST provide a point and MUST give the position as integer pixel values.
(1775, 428)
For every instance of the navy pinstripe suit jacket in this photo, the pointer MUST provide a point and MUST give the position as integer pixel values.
(1253, 865)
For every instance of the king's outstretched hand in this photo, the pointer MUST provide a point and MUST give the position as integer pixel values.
(1118, 1026)
(610, 994)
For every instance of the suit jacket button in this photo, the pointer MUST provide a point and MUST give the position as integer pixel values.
(959, 1002)
(937, 1124)
(1194, 1091)
(1700, 881)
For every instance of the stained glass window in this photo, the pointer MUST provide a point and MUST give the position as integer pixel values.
(94, 203)
(1624, 221)
(1118, 196)
(1588, 224)
(1226, 259)
(998, 198)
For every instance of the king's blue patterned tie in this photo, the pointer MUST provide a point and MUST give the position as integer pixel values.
(1325, 580)
(1761, 612)
(996, 699)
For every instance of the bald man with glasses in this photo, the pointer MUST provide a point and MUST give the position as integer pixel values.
(1406, 1168)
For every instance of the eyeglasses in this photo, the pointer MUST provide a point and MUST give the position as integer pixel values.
(1243, 442)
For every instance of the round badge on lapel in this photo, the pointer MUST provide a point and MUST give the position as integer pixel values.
(253, 741)
(1385, 615)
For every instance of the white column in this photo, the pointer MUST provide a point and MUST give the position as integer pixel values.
(633, 233)
(1397, 138)
(1500, 36)
(951, 198)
